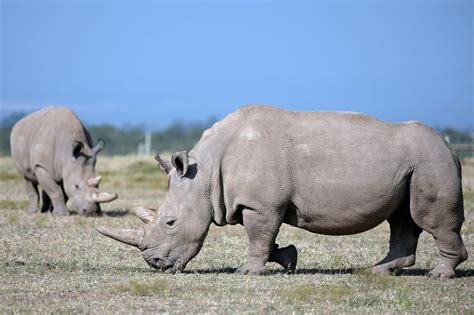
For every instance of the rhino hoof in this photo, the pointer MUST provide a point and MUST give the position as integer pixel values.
(244, 270)
(60, 211)
(378, 270)
(442, 273)
(32, 210)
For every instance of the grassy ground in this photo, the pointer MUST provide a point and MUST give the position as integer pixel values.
(50, 264)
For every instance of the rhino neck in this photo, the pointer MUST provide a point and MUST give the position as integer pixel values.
(211, 157)
(211, 149)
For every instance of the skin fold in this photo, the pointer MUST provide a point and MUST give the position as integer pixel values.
(334, 173)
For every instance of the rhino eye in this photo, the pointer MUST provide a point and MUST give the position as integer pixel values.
(170, 222)
(77, 186)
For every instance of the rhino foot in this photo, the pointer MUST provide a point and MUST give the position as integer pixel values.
(251, 270)
(32, 210)
(60, 211)
(442, 272)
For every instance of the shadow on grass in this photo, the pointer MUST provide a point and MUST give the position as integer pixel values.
(115, 213)
(415, 272)
(227, 270)
(463, 273)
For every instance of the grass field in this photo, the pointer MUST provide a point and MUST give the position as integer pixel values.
(61, 264)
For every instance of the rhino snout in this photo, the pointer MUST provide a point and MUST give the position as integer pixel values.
(88, 213)
(164, 265)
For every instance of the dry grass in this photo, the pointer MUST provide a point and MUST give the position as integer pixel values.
(50, 264)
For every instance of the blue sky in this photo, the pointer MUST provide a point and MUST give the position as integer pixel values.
(150, 63)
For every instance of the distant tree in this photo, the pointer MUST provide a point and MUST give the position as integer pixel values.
(457, 136)
(6, 125)
(10, 120)
(117, 141)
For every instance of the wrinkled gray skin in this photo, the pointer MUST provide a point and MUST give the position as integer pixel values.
(52, 149)
(333, 173)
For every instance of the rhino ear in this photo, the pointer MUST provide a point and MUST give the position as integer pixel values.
(100, 145)
(180, 161)
(164, 165)
(77, 147)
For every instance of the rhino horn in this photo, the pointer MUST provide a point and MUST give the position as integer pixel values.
(164, 165)
(94, 182)
(132, 237)
(145, 214)
(103, 197)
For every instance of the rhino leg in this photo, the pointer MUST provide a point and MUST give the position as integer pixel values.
(451, 248)
(53, 190)
(262, 232)
(285, 256)
(452, 253)
(437, 207)
(33, 196)
(404, 234)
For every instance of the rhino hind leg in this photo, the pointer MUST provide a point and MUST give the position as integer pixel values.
(451, 248)
(436, 205)
(287, 257)
(404, 234)
(33, 196)
(452, 253)
(262, 232)
(53, 190)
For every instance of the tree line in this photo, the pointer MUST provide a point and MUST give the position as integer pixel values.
(122, 141)
(178, 136)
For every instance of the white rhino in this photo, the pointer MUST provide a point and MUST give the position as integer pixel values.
(52, 148)
(334, 173)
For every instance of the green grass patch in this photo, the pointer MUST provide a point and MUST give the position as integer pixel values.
(144, 288)
(403, 298)
(316, 293)
(9, 175)
(139, 174)
(13, 204)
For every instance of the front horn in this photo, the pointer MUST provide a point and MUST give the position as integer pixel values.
(103, 197)
(132, 237)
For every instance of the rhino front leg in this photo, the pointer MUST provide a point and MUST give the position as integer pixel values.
(53, 190)
(33, 196)
(262, 232)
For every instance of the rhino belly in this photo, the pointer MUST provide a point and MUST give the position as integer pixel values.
(345, 209)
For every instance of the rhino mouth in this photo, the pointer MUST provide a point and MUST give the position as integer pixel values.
(165, 265)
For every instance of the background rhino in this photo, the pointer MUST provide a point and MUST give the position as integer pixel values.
(332, 173)
(52, 148)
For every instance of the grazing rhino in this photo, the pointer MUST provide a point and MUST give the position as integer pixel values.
(333, 173)
(52, 148)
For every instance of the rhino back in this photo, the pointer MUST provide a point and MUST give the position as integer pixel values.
(45, 138)
(332, 167)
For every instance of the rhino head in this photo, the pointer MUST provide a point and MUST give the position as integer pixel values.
(80, 182)
(173, 234)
